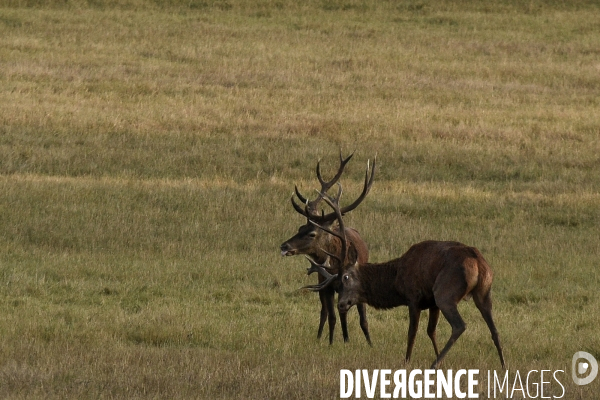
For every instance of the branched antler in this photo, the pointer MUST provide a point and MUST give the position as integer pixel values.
(310, 210)
(321, 269)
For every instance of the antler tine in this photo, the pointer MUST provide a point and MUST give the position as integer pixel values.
(339, 194)
(299, 209)
(321, 269)
(366, 188)
(300, 196)
(325, 186)
(322, 285)
(309, 210)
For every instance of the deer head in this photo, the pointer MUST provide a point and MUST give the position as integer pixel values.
(351, 288)
(310, 239)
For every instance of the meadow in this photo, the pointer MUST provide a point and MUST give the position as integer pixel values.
(149, 149)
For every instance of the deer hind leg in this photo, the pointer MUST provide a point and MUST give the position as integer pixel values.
(414, 314)
(364, 324)
(484, 304)
(451, 313)
(434, 315)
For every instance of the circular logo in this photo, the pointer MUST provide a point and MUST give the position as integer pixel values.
(581, 368)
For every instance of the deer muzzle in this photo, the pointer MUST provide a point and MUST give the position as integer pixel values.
(344, 305)
(287, 250)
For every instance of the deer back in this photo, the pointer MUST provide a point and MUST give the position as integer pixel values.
(429, 267)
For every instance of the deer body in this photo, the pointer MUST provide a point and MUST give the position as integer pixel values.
(431, 275)
(412, 277)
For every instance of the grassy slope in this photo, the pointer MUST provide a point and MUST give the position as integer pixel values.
(148, 152)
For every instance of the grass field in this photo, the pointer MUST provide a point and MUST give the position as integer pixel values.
(148, 151)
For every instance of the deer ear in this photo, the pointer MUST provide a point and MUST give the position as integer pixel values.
(352, 257)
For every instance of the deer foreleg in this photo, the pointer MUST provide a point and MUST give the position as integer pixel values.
(329, 297)
(344, 323)
(323, 316)
(364, 324)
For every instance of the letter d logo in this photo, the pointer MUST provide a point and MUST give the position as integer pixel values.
(581, 367)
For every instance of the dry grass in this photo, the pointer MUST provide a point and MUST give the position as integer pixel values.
(148, 151)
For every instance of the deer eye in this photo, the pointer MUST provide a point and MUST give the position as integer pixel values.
(312, 234)
(346, 278)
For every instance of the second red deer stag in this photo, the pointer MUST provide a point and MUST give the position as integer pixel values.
(316, 244)
(434, 275)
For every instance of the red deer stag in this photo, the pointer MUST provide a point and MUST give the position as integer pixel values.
(317, 244)
(431, 275)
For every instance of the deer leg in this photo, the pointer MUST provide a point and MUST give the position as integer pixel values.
(485, 307)
(364, 324)
(450, 311)
(323, 317)
(434, 315)
(329, 297)
(344, 323)
(414, 314)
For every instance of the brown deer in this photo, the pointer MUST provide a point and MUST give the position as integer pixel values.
(431, 275)
(317, 244)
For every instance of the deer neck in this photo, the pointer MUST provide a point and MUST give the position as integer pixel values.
(332, 245)
(377, 286)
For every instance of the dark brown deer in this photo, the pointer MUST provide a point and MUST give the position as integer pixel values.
(431, 275)
(316, 244)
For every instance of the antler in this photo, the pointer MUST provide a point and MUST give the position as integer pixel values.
(366, 188)
(310, 209)
(321, 269)
(325, 186)
(311, 206)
